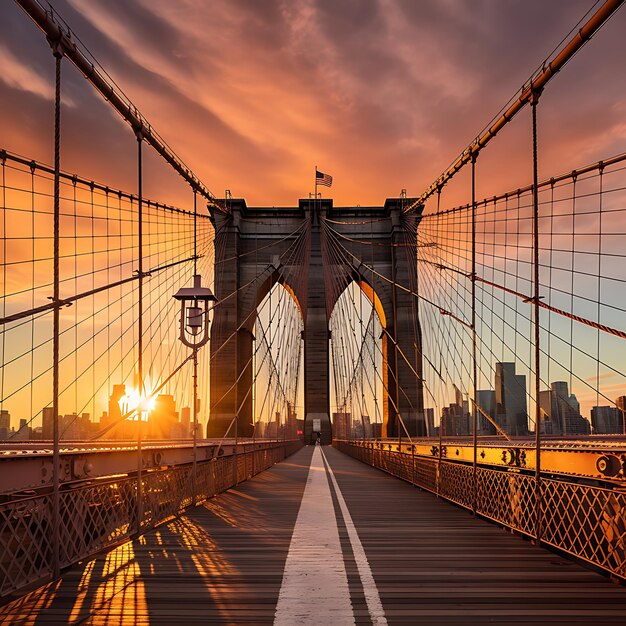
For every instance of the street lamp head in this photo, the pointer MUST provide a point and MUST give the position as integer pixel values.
(194, 313)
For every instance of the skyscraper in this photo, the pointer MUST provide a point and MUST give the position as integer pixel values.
(606, 420)
(511, 412)
(561, 412)
(455, 419)
(185, 421)
(620, 403)
(5, 424)
(114, 413)
(342, 425)
(163, 417)
(47, 431)
(487, 402)
(23, 432)
(545, 404)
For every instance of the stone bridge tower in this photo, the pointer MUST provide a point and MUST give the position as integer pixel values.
(247, 265)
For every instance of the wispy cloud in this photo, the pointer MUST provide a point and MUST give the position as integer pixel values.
(17, 75)
(382, 93)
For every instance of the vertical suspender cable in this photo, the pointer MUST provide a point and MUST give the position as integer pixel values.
(394, 298)
(140, 381)
(194, 484)
(538, 503)
(474, 367)
(56, 515)
(254, 360)
(441, 422)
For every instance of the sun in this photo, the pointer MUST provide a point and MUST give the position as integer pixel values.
(138, 404)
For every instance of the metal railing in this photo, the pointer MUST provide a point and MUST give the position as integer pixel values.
(584, 520)
(102, 514)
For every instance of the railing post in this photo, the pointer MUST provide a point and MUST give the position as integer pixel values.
(56, 324)
(536, 309)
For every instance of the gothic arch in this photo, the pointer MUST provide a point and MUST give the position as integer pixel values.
(250, 239)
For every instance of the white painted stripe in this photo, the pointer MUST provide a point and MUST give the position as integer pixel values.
(315, 589)
(374, 605)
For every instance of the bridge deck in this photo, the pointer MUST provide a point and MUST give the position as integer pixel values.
(430, 562)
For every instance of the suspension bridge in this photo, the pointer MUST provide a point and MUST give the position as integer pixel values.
(225, 413)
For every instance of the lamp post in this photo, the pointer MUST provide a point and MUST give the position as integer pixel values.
(194, 313)
(195, 320)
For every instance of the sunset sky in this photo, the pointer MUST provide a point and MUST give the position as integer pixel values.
(382, 94)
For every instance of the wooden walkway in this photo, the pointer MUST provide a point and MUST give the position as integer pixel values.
(223, 563)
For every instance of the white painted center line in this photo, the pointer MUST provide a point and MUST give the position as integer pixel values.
(315, 589)
(374, 605)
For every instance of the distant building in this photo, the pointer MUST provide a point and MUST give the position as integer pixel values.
(75, 427)
(272, 429)
(377, 430)
(292, 421)
(185, 421)
(620, 403)
(24, 431)
(560, 412)
(486, 400)
(5, 424)
(545, 404)
(342, 425)
(113, 417)
(70, 427)
(163, 418)
(606, 420)
(358, 432)
(455, 419)
(510, 390)
(47, 430)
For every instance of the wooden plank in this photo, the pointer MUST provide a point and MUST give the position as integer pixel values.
(221, 563)
(432, 562)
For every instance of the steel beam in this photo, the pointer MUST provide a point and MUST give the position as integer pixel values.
(28, 466)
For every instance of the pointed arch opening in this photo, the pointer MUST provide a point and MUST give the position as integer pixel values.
(277, 362)
(358, 363)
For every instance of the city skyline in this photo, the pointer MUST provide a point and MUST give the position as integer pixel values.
(486, 399)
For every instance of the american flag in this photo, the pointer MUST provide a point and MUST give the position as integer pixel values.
(323, 179)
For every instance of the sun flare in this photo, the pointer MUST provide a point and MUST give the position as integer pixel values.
(137, 404)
